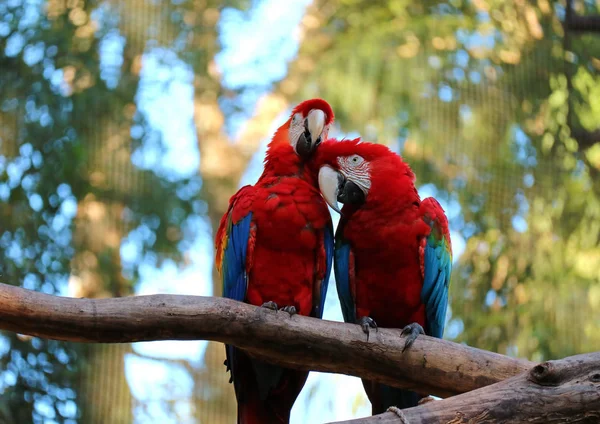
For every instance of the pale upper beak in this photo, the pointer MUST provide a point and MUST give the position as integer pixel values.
(314, 125)
(329, 184)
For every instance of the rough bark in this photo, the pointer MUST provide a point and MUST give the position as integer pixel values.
(432, 366)
(563, 391)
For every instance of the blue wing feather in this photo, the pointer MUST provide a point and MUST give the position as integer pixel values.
(342, 276)
(434, 294)
(234, 260)
(235, 279)
(329, 249)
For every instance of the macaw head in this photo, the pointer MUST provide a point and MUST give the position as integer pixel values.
(356, 173)
(308, 126)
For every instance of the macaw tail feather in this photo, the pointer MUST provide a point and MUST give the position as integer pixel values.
(382, 397)
(276, 408)
(265, 393)
(255, 411)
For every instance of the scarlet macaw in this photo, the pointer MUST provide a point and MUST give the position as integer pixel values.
(393, 254)
(274, 247)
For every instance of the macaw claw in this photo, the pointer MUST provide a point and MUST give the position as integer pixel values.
(366, 323)
(273, 306)
(289, 309)
(270, 305)
(425, 400)
(411, 331)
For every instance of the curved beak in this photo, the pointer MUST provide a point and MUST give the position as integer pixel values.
(329, 184)
(314, 124)
(335, 187)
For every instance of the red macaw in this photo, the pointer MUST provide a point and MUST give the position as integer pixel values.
(274, 247)
(393, 254)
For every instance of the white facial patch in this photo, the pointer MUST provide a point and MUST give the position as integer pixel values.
(296, 128)
(356, 168)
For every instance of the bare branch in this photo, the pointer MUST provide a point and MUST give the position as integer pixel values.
(433, 366)
(586, 139)
(578, 23)
(561, 391)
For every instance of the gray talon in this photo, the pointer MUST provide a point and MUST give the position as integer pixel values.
(270, 305)
(425, 400)
(290, 310)
(366, 323)
(411, 332)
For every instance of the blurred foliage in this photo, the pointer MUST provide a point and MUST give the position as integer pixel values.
(487, 100)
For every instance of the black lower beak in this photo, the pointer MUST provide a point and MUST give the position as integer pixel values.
(349, 193)
(304, 146)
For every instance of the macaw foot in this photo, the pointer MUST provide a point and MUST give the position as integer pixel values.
(289, 309)
(367, 323)
(270, 305)
(425, 400)
(273, 306)
(411, 331)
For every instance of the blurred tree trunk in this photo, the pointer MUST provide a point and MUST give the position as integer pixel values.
(99, 227)
(104, 392)
(97, 273)
(220, 168)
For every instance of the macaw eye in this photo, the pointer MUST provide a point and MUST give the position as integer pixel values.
(297, 118)
(355, 160)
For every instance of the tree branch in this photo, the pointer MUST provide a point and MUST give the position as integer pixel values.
(586, 139)
(578, 23)
(561, 391)
(431, 365)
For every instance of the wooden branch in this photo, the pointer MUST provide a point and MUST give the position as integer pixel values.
(561, 391)
(431, 365)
